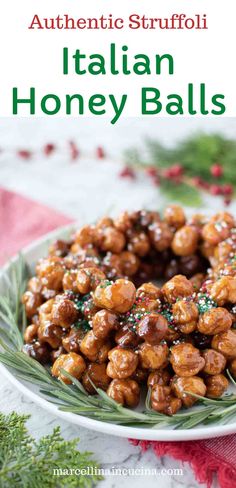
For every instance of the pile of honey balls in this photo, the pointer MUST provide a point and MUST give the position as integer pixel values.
(137, 302)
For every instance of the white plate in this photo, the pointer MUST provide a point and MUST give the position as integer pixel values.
(32, 253)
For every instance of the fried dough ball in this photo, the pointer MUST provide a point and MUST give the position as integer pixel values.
(51, 271)
(177, 288)
(149, 290)
(124, 391)
(152, 328)
(216, 385)
(69, 281)
(72, 363)
(55, 353)
(161, 235)
(64, 312)
(174, 216)
(123, 222)
(226, 270)
(213, 233)
(159, 377)
(186, 360)
(59, 248)
(215, 321)
(197, 221)
(103, 323)
(225, 343)
(138, 243)
(31, 333)
(88, 279)
(129, 263)
(148, 297)
(192, 384)
(39, 351)
(163, 401)
(31, 302)
(232, 367)
(123, 363)
(50, 333)
(215, 362)
(110, 239)
(118, 296)
(102, 356)
(35, 285)
(45, 311)
(71, 342)
(185, 315)
(105, 222)
(112, 265)
(97, 374)
(218, 229)
(185, 241)
(93, 348)
(126, 337)
(225, 217)
(223, 251)
(153, 357)
(197, 280)
(224, 290)
(85, 236)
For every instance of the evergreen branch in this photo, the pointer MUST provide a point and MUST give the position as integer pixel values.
(46, 463)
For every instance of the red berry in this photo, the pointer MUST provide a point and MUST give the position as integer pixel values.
(100, 153)
(176, 170)
(200, 183)
(127, 172)
(167, 173)
(227, 201)
(48, 149)
(227, 189)
(151, 171)
(74, 151)
(24, 154)
(215, 190)
(216, 170)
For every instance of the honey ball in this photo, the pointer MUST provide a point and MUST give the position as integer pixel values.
(118, 296)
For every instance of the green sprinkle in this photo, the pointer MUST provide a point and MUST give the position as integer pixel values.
(205, 303)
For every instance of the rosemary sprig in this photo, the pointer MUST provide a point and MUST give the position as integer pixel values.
(73, 398)
(12, 312)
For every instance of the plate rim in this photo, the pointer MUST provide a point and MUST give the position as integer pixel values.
(169, 435)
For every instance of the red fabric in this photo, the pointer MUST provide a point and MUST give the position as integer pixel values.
(207, 458)
(22, 221)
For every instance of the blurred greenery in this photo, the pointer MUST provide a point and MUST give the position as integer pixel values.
(197, 154)
(181, 192)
